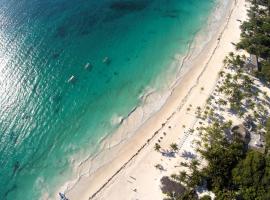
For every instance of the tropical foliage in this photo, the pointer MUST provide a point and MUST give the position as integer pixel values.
(255, 36)
(232, 170)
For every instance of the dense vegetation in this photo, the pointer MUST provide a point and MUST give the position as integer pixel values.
(234, 171)
(255, 36)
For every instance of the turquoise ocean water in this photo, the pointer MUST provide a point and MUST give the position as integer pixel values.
(44, 120)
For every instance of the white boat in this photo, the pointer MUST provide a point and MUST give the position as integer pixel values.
(71, 79)
(106, 60)
(88, 66)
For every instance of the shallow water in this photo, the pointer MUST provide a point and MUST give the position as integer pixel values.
(44, 120)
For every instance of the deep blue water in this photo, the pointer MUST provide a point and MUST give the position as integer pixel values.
(44, 120)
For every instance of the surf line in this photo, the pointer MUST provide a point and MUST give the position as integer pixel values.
(167, 120)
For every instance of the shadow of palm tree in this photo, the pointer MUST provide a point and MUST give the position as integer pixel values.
(188, 154)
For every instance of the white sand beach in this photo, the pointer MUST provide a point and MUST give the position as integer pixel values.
(133, 175)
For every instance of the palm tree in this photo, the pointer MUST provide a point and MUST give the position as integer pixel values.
(184, 164)
(159, 166)
(157, 147)
(202, 89)
(174, 147)
(198, 112)
(194, 164)
(191, 130)
(183, 176)
(221, 73)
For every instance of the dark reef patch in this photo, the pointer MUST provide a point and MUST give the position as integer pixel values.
(130, 6)
(61, 32)
(171, 13)
(55, 55)
(83, 22)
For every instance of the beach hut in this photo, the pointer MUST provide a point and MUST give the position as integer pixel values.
(241, 132)
(169, 186)
(252, 64)
(260, 142)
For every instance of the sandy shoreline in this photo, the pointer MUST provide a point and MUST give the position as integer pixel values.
(134, 167)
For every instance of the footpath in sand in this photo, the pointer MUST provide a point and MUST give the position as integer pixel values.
(132, 175)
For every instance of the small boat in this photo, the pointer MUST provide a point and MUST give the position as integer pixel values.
(62, 196)
(88, 66)
(71, 79)
(106, 60)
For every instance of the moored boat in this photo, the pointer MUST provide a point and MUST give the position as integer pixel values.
(71, 79)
